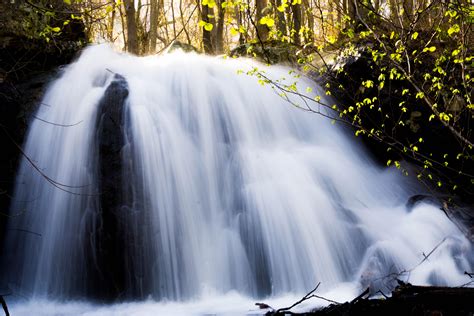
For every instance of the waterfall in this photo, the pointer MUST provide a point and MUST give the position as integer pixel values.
(172, 177)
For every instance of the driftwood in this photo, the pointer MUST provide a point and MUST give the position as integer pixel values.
(406, 299)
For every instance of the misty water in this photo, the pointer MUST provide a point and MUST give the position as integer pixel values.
(230, 195)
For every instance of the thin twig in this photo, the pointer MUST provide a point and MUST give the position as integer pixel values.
(25, 231)
(53, 182)
(181, 31)
(395, 275)
(306, 297)
(56, 124)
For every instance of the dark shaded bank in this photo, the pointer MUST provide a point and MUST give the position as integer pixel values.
(26, 67)
(407, 300)
(450, 172)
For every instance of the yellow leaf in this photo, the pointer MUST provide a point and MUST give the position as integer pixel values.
(268, 21)
(282, 7)
(210, 3)
(453, 29)
(208, 27)
(444, 117)
(331, 39)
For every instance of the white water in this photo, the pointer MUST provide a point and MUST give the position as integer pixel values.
(238, 195)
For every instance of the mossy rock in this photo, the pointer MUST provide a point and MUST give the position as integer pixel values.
(271, 52)
(177, 45)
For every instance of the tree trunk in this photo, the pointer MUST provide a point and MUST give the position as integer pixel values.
(376, 6)
(309, 36)
(408, 12)
(351, 9)
(207, 41)
(110, 27)
(297, 18)
(174, 20)
(220, 28)
(238, 13)
(280, 19)
(154, 18)
(262, 29)
(132, 33)
(394, 12)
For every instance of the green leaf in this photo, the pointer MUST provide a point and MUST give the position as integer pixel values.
(414, 35)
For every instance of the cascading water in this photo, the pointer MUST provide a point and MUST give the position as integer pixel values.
(179, 180)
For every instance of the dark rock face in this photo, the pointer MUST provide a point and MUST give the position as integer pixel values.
(177, 45)
(108, 277)
(272, 52)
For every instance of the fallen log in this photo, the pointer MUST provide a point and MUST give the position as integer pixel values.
(406, 299)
